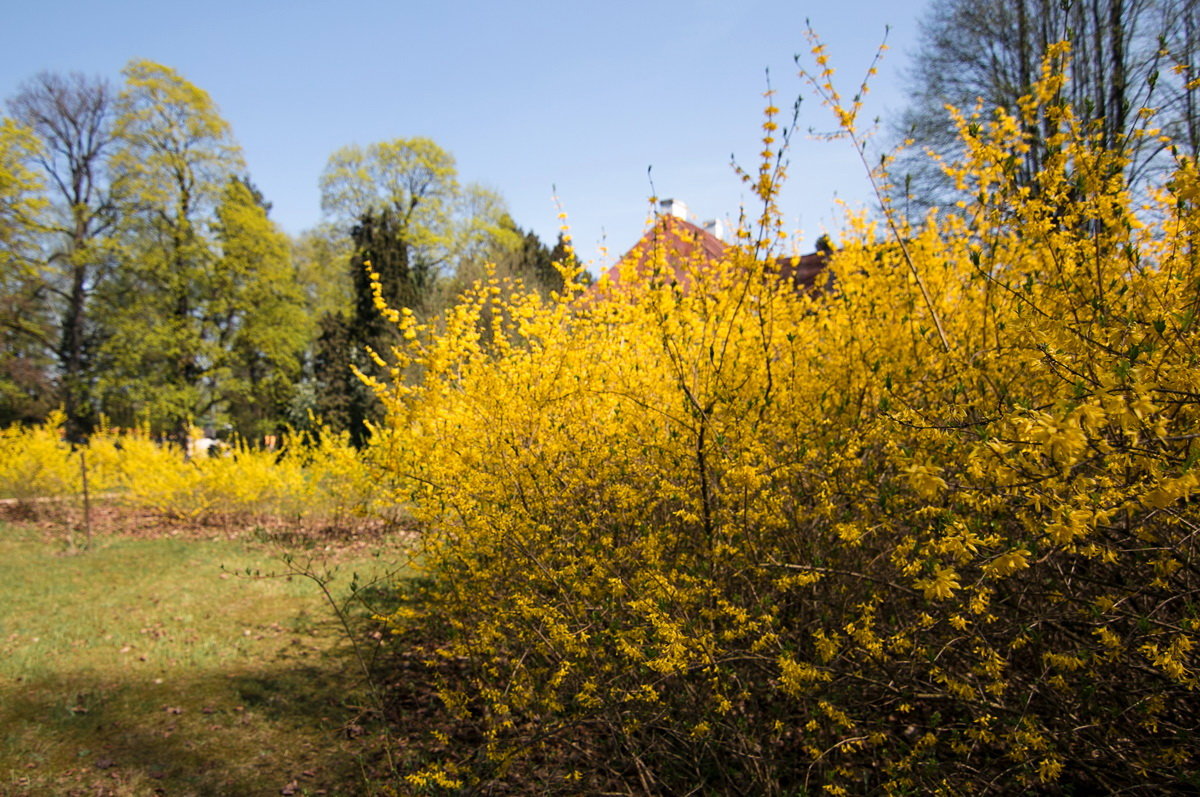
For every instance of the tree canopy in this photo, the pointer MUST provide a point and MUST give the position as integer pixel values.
(25, 328)
(72, 117)
(1129, 64)
(144, 282)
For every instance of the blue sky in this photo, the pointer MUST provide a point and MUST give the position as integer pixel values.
(531, 97)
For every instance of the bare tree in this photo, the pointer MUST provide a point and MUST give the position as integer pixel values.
(1126, 55)
(72, 115)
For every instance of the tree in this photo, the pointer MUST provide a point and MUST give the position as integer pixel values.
(405, 213)
(414, 184)
(339, 398)
(342, 400)
(1123, 54)
(320, 256)
(72, 117)
(518, 254)
(25, 328)
(20, 188)
(329, 391)
(414, 181)
(256, 309)
(177, 156)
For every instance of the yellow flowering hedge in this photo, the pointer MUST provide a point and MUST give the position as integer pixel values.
(35, 463)
(313, 480)
(934, 530)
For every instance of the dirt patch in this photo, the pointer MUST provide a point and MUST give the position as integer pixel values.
(60, 518)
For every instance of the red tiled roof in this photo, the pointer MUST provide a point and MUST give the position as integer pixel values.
(679, 244)
(805, 271)
(671, 241)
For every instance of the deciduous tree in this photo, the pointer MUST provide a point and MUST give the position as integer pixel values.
(990, 53)
(413, 183)
(25, 330)
(320, 256)
(257, 312)
(72, 117)
(177, 156)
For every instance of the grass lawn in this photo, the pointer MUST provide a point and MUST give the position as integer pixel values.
(153, 664)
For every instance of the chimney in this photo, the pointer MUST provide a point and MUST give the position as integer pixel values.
(715, 228)
(673, 207)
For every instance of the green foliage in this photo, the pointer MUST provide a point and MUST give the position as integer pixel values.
(177, 156)
(175, 150)
(216, 323)
(20, 199)
(25, 329)
(380, 253)
(320, 256)
(410, 222)
(153, 287)
(339, 396)
(414, 181)
(407, 191)
(72, 118)
(262, 325)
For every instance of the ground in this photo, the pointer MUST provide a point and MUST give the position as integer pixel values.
(181, 659)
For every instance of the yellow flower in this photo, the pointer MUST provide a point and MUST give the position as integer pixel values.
(941, 586)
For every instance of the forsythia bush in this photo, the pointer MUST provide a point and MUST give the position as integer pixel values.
(313, 479)
(935, 530)
(36, 463)
(241, 481)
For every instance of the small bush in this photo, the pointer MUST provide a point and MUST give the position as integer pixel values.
(36, 463)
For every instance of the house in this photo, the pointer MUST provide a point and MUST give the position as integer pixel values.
(684, 247)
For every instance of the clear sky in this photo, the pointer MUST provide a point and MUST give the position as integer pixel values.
(531, 97)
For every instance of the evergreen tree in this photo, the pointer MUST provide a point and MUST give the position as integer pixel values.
(379, 245)
(341, 401)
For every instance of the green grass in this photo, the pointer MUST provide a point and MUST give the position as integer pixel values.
(146, 665)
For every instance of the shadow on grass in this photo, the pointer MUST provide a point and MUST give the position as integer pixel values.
(293, 729)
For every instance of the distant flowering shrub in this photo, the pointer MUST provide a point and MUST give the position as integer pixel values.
(935, 531)
(312, 479)
(36, 462)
